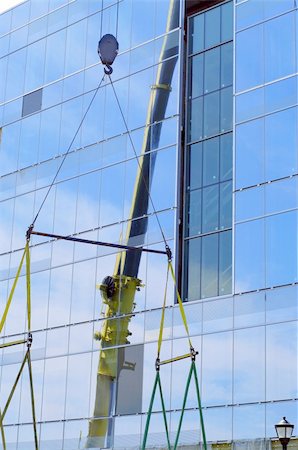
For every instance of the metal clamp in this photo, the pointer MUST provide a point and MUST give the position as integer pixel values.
(29, 340)
(193, 353)
(157, 364)
(29, 231)
(169, 253)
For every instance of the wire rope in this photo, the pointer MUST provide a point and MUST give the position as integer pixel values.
(140, 168)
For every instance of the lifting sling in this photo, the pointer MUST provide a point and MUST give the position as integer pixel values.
(192, 372)
(28, 342)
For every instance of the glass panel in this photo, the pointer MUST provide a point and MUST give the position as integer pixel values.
(250, 153)
(211, 161)
(211, 114)
(226, 156)
(195, 121)
(225, 263)
(212, 27)
(193, 269)
(195, 166)
(54, 389)
(217, 369)
(55, 54)
(281, 383)
(212, 70)
(35, 65)
(226, 110)
(249, 422)
(196, 76)
(226, 69)
(279, 38)
(218, 424)
(250, 105)
(249, 310)
(281, 195)
(249, 256)
(225, 193)
(217, 315)
(282, 304)
(250, 203)
(194, 213)
(281, 144)
(281, 245)
(249, 58)
(281, 94)
(227, 22)
(249, 13)
(209, 266)
(249, 365)
(210, 206)
(77, 400)
(196, 38)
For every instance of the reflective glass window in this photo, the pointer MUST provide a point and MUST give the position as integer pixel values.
(250, 203)
(249, 13)
(250, 153)
(196, 75)
(226, 110)
(212, 70)
(249, 256)
(209, 287)
(192, 276)
(210, 161)
(227, 14)
(249, 365)
(211, 114)
(195, 166)
(281, 304)
(226, 69)
(194, 213)
(195, 120)
(281, 245)
(279, 38)
(196, 34)
(281, 94)
(225, 263)
(226, 156)
(249, 58)
(281, 144)
(250, 105)
(281, 383)
(210, 213)
(281, 195)
(212, 27)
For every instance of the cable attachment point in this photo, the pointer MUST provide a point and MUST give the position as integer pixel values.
(108, 70)
(29, 231)
(193, 353)
(169, 253)
(29, 340)
(157, 364)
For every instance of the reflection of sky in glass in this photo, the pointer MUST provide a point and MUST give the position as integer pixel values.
(93, 196)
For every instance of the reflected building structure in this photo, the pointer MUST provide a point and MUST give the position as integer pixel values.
(222, 165)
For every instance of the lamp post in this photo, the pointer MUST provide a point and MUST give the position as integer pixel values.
(284, 431)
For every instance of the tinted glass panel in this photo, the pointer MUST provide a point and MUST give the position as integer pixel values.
(210, 266)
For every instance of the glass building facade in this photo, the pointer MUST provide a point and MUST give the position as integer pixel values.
(217, 142)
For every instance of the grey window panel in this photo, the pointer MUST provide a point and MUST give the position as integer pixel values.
(130, 380)
(32, 102)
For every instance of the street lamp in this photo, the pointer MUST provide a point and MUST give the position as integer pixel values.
(284, 431)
